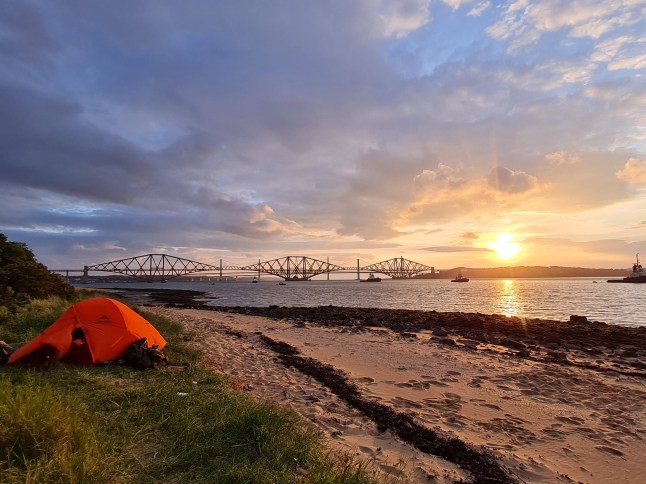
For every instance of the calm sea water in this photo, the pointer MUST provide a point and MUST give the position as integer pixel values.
(622, 304)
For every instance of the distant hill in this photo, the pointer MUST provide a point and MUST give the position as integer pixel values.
(525, 272)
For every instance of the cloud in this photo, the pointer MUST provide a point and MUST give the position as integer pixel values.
(524, 23)
(633, 172)
(479, 9)
(630, 63)
(612, 246)
(403, 16)
(455, 4)
(228, 126)
(510, 181)
(457, 248)
(562, 158)
(443, 175)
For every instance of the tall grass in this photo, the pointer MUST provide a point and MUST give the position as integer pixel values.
(48, 436)
(30, 320)
(114, 424)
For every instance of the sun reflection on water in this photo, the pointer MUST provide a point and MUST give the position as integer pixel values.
(508, 302)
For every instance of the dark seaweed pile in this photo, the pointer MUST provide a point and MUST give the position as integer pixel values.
(482, 465)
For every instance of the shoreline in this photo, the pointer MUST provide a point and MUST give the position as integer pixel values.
(551, 401)
(542, 421)
(592, 345)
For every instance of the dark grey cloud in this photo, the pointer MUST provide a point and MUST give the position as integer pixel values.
(26, 39)
(46, 145)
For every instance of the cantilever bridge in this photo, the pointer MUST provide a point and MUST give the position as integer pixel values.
(161, 267)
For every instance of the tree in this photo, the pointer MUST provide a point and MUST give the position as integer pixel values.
(22, 277)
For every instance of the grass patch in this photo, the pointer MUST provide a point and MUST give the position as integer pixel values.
(114, 424)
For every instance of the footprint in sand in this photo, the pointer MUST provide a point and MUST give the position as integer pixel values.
(570, 420)
(395, 471)
(527, 391)
(436, 383)
(405, 402)
(404, 385)
(554, 432)
(450, 380)
(367, 380)
(456, 421)
(568, 452)
(609, 450)
(490, 405)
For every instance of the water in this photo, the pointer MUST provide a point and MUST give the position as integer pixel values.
(621, 304)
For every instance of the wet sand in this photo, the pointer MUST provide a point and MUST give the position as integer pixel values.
(439, 397)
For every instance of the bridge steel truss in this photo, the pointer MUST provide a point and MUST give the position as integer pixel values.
(161, 267)
(154, 267)
(398, 268)
(293, 268)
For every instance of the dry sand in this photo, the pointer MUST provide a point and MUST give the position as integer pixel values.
(544, 420)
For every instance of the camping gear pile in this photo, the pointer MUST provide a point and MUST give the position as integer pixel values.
(93, 331)
(5, 352)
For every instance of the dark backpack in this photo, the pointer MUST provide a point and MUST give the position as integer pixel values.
(5, 352)
(140, 356)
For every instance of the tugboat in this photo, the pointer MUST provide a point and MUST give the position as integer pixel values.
(460, 278)
(636, 276)
(371, 278)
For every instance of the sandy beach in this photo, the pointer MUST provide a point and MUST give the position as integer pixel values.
(544, 411)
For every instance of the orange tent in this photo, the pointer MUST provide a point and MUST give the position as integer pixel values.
(89, 332)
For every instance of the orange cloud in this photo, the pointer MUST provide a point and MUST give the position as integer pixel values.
(562, 158)
(510, 181)
(634, 172)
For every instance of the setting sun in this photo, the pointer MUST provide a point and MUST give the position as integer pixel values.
(504, 247)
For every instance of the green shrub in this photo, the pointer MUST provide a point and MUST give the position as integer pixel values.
(23, 278)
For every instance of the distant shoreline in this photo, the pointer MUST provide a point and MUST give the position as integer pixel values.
(525, 272)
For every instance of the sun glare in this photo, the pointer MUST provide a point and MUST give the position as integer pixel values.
(504, 247)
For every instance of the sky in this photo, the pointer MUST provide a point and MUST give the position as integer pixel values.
(363, 129)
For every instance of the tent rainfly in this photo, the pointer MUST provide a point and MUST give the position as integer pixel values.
(90, 332)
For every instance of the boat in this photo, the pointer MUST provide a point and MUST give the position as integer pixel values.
(460, 278)
(371, 278)
(635, 277)
(255, 280)
(282, 284)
